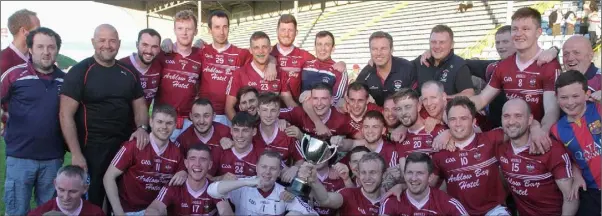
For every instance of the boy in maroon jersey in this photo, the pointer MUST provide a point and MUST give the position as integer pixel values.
(420, 198)
(191, 198)
(253, 74)
(519, 76)
(70, 184)
(540, 184)
(181, 71)
(239, 161)
(145, 170)
(145, 62)
(364, 200)
(204, 129)
(373, 128)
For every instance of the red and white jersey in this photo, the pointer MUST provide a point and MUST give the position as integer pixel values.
(183, 200)
(229, 161)
(291, 63)
(254, 201)
(357, 123)
(527, 81)
(389, 152)
(85, 209)
(419, 141)
(179, 80)
(189, 137)
(331, 185)
(279, 142)
(218, 68)
(472, 172)
(11, 56)
(250, 75)
(149, 77)
(145, 172)
(339, 124)
(356, 203)
(532, 177)
(316, 71)
(436, 202)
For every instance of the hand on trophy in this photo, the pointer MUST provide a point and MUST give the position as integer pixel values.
(336, 140)
(307, 172)
(342, 170)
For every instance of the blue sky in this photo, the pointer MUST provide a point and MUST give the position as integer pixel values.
(75, 21)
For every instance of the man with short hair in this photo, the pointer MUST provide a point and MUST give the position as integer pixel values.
(246, 98)
(373, 128)
(448, 68)
(191, 198)
(420, 198)
(355, 155)
(146, 63)
(358, 104)
(98, 98)
(204, 129)
(240, 160)
(577, 54)
(181, 71)
(70, 185)
(540, 184)
(364, 200)
(145, 171)
(20, 24)
(389, 74)
(391, 119)
(260, 195)
(579, 131)
(34, 143)
(520, 77)
(253, 74)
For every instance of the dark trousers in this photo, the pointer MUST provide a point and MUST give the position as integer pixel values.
(98, 158)
(589, 202)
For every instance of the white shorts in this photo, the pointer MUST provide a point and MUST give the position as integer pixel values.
(177, 132)
(140, 213)
(223, 119)
(498, 211)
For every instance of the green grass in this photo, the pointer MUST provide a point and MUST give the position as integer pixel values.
(3, 174)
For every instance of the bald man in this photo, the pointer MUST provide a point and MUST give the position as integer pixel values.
(577, 54)
(98, 96)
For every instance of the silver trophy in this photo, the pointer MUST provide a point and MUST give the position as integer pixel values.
(314, 151)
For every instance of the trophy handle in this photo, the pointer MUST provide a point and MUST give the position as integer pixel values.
(334, 152)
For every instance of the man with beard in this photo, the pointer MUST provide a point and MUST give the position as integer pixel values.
(577, 54)
(97, 99)
(144, 61)
(145, 171)
(260, 195)
(246, 98)
(389, 113)
(540, 184)
(70, 185)
(364, 200)
(420, 198)
(579, 130)
(191, 198)
(203, 129)
(253, 74)
(240, 160)
(34, 143)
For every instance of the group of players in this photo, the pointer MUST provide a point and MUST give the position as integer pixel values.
(226, 125)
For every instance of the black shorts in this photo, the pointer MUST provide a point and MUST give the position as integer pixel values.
(589, 202)
(98, 158)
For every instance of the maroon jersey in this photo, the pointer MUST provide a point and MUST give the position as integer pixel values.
(339, 124)
(532, 177)
(331, 185)
(291, 63)
(179, 80)
(357, 123)
(419, 141)
(149, 77)
(85, 209)
(11, 57)
(356, 203)
(472, 172)
(228, 161)
(218, 67)
(145, 172)
(436, 202)
(527, 82)
(250, 75)
(389, 152)
(189, 137)
(279, 142)
(183, 200)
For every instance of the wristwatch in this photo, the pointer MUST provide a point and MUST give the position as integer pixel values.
(144, 127)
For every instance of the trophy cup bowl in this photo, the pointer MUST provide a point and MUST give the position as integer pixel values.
(314, 151)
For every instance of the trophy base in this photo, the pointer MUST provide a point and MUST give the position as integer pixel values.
(299, 188)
